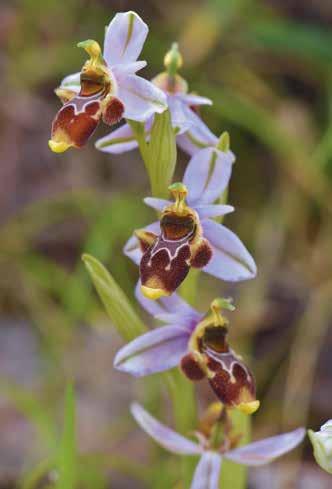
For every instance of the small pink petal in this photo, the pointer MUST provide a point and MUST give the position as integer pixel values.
(158, 204)
(213, 210)
(192, 99)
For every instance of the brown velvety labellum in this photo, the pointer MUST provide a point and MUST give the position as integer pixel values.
(165, 267)
(75, 128)
(146, 240)
(233, 383)
(166, 264)
(113, 112)
(201, 255)
(191, 368)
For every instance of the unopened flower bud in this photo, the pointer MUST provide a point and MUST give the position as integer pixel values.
(173, 60)
(322, 443)
(224, 142)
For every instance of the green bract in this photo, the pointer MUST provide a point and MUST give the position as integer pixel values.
(159, 154)
(114, 299)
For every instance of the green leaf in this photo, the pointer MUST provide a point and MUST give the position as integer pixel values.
(33, 409)
(162, 154)
(114, 299)
(31, 479)
(288, 37)
(67, 454)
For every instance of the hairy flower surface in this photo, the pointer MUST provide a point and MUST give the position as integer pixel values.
(322, 443)
(107, 87)
(207, 472)
(186, 236)
(192, 133)
(197, 344)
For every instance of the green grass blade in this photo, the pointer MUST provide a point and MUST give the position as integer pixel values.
(67, 455)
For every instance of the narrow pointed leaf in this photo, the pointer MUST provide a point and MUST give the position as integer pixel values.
(114, 299)
(34, 410)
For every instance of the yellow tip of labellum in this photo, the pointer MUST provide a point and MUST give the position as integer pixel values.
(248, 407)
(58, 147)
(153, 294)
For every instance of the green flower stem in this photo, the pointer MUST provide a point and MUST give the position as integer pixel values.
(182, 394)
(234, 476)
(183, 391)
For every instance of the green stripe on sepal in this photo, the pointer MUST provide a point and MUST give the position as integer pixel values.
(116, 303)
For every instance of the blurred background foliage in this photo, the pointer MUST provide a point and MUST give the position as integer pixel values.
(267, 65)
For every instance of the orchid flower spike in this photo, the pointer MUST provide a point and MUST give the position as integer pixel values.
(207, 472)
(192, 133)
(107, 87)
(186, 236)
(195, 343)
(322, 443)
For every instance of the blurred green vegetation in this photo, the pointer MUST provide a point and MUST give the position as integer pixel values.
(268, 68)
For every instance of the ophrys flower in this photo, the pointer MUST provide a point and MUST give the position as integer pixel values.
(186, 235)
(196, 343)
(192, 133)
(107, 87)
(207, 472)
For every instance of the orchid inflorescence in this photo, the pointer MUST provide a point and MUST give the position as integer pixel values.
(186, 235)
